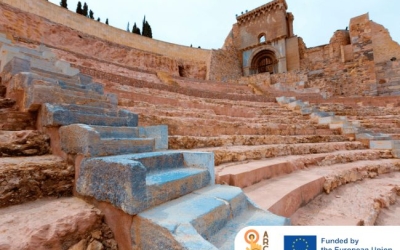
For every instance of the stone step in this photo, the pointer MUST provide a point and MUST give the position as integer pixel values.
(185, 126)
(248, 173)
(359, 203)
(76, 83)
(61, 115)
(30, 178)
(23, 143)
(15, 120)
(181, 100)
(31, 91)
(192, 142)
(244, 153)
(288, 193)
(208, 218)
(248, 115)
(92, 141)
(137, 182)
(47, 223)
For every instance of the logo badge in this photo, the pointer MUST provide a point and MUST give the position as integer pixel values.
(300, 242)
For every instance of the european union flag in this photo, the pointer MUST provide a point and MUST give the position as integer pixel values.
(300, 242)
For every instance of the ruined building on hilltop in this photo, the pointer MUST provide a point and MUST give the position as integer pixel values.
(358, 61)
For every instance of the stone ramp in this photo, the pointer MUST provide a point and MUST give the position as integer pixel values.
(288, 193)
(208, 218)
(48, 223)
(368, 202)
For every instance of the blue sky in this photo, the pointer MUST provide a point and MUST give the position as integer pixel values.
(206, 23)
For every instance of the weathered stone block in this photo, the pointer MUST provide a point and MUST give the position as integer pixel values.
(386, 144)
(285, 100)
(159, 133)
(86, 140)
(212, 213)
(136, 182)
(59, 115)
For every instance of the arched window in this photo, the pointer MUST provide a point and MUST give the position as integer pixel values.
(261, 38)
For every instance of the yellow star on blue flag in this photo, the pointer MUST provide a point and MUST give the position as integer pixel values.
(300, 242)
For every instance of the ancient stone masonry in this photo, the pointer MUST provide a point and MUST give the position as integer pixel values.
(81, 41)
(85, 139)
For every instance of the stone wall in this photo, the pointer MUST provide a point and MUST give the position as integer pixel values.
(59, 15)
(384, 47)
(268, 20)
(225, 65)
(292, 54)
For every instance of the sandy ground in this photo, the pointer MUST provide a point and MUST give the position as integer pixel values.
(352, 203)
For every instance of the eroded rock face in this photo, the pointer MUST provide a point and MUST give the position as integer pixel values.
(54, 224)
(29, 178)
(23, 143)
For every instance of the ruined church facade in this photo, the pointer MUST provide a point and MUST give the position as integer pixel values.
(362, 60)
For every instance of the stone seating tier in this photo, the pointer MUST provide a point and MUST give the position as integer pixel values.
(371, 202)
(192, 142)
(245, 153)
(249, 173)
(289, 192)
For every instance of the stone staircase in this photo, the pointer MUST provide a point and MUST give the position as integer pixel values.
(121, 164)
(37, 208)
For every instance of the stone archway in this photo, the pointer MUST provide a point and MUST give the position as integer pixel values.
(264, 61)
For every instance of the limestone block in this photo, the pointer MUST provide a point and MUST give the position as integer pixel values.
(158, 133)
(331, 120)
(59, 115)
(285, 100)
(296, 105)
(66, 69)
(203, 160)
(385, 144)
(396, 144)
(396, 153)
(209, 218)
(121, 182)
(136, 182)
(85, 140)
(315, 116)
(308, 110)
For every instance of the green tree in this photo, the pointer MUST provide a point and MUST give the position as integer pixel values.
(146, 29)
(91, 14)
(135, 29)
(107, 21)
(64, 4)
(79, 8)
(85, 10)
(98, 19)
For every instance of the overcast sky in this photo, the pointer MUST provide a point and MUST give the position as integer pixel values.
(206, 23)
